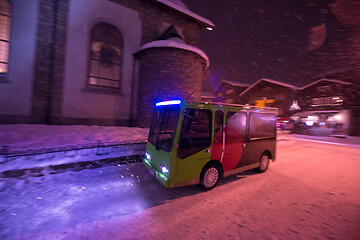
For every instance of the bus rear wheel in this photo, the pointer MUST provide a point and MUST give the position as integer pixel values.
(209, 177)
(263, 163)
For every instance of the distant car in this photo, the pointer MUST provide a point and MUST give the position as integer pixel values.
(284, 123)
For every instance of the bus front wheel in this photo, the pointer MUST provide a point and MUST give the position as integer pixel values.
(263, 163)
(209, 177)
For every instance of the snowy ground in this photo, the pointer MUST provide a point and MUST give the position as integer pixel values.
(22, 136)
(27, 136)
(311, 192)
(43, 146)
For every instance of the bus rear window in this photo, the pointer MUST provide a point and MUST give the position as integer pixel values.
(195, 132)
(163, 127)
(262, 125)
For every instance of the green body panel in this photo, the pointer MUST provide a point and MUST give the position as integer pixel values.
(190, 168)
(159, 158)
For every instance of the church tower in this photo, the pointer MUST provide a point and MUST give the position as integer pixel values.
(169, 69)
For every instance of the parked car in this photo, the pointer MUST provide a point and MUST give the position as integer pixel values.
(284, 123)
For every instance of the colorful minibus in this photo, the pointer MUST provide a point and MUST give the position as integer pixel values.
(200, 142)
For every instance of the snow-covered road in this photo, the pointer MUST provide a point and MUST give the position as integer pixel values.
(311, 192)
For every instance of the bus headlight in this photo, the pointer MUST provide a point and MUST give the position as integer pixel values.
(164, 169)
(147, 156)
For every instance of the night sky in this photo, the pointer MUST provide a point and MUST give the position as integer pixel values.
(292, 41)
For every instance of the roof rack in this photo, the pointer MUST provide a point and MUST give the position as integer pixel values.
(234, 105)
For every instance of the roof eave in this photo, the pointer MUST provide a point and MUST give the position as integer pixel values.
(201, 20)
(270, 81)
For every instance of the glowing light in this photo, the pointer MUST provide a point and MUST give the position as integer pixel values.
(209, 28)
(309, 123)
(163, 176)
(338, 117)
(147, 161)
(172, 102)
(312, 118)
(322, 124)
(164, 169)
(147, 156)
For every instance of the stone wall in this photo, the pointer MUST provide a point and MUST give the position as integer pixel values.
(52, 89)
(49, 63)
(165, 74)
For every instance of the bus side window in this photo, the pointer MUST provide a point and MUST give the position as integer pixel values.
(219, 122)
(262, 125)
(195, 132)
(235, 127)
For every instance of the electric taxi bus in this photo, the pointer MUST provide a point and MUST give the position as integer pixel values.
(200, 142)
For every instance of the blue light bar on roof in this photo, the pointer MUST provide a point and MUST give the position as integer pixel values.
(172, 102)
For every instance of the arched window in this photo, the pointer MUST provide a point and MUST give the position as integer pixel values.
(5, 19)
(106, 45)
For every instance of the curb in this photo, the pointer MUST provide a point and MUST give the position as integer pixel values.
(43, 157)
(327, 142)
(75, 167)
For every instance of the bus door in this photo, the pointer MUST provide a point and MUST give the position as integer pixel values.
(234, 140)
(261, 136)
(194, 143)
(219, 137)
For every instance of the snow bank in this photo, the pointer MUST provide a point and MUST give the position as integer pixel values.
(25, 136)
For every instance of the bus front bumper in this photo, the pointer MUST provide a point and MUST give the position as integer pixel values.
(161, 177)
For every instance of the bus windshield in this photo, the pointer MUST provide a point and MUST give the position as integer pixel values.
(163, 127)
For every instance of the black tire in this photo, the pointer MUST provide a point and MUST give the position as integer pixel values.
(209, 177)
(264, 162)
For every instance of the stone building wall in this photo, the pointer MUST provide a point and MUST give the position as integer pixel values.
(49, 64)
(54, 86)
(165, 74)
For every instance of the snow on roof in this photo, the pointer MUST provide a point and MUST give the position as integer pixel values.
(176, 43)
(327, 80)
(237, 84)
(181, 7)
(271, 81)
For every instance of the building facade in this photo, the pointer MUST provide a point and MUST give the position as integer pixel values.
(78, 61)
(324, 107)
(271, 93)
(337, 90)
(230, 91)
